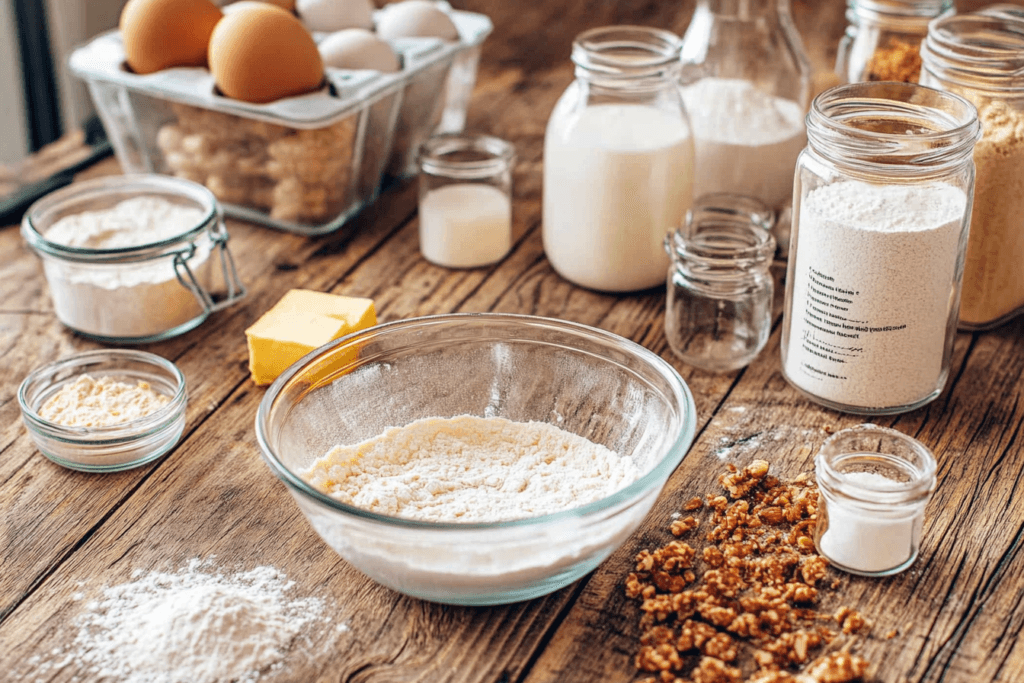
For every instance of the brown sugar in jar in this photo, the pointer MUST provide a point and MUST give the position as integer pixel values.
(982, 58)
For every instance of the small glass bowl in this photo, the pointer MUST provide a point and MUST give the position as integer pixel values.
(522, 368)
(117, 447)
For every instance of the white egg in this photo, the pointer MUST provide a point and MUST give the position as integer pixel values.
(415, 18)
(334, 15)
(357, 48)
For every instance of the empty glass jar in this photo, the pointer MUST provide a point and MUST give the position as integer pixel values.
(883, 39)
(719, 307)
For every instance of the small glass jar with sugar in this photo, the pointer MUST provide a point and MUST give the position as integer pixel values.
(718, 313)
(873, 486)
(465, 199)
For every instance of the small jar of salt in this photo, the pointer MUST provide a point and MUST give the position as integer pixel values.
(718, 313)
(465, 199)
(874, 484)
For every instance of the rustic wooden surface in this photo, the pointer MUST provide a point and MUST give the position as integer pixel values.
(957, 611)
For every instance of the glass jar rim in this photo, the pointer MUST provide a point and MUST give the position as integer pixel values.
(911, 15)
(627, 51)
(737, 235)
(920, 486)
(932, 129)
(982, 50)
(492, 155)
(123, 186)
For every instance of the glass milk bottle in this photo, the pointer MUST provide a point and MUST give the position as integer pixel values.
(746, 86)
(618, 161)
(882, 205)
(981, 57)
(883, 39)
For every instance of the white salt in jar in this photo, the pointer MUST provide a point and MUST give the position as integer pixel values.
(131, 259)
(877, 246)
(874, 484)
(465, 199)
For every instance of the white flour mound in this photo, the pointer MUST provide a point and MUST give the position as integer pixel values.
(471, 469)
(191, 626)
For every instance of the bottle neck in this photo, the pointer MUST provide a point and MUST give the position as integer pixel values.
(744, 10)
(627, 57)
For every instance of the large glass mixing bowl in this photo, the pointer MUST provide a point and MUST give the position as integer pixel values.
(580, 379)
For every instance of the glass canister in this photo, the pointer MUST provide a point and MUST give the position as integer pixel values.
(116, 281)
(465, 199)
(981, 57)
(877, 246)
(718, 311)
(746, 86)
(873, 486)
(883, 39)
(618, 161)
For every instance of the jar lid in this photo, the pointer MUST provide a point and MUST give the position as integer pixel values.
(107, 192)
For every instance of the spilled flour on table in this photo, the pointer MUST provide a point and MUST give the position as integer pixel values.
(195, 625)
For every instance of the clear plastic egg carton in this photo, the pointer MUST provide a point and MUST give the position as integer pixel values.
(305, 164)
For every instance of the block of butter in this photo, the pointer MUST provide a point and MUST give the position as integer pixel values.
(300, 322)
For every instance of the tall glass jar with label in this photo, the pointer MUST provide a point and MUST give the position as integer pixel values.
(746, 86)
(981, 57)
(618, 161)
(883, 39)
(883, 198)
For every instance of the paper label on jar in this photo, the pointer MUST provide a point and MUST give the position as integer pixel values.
(873, 287)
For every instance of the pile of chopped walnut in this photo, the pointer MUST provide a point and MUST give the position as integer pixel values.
(758, 591)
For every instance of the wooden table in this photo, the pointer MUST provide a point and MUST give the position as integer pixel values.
(957, 612)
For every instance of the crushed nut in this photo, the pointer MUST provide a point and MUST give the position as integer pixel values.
(757, 589)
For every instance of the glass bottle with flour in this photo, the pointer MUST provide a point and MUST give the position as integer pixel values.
(618, 161)
(746, 86)
(883, 196)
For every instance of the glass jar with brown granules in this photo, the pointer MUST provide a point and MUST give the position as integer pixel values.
(883, 39)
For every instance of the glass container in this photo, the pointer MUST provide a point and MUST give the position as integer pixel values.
(883, 39)
(981, 57)
(746, 85)
(116, 447)
(877, 246)
(719, 305)
(465, 199)
(580, 379)
(873, 486)
(618, 161)
(141, 293)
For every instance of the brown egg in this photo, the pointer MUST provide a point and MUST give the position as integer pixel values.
(158, 34)
(261, 53)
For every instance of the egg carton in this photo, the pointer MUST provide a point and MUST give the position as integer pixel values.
(304, 164)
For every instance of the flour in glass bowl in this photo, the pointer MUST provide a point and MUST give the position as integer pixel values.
(471, 469)
(130, 300)
(475, 469)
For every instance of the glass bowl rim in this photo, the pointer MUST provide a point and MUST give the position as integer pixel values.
(662, 470)
(111, 435)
